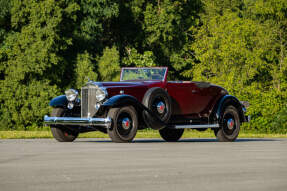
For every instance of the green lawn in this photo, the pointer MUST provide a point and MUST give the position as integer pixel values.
(140, 134)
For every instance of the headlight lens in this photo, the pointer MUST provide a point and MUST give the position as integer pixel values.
(71, 94)
(101, 94)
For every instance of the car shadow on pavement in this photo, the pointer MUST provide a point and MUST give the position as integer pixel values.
(139, 140)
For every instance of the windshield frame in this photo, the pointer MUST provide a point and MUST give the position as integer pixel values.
(162, 80)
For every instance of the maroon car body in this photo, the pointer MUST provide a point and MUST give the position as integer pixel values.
(145, 99)
(191, 99)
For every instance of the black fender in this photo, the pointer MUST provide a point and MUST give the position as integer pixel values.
(127, 100)
(226, 101)
(59, 101)
(121, 101)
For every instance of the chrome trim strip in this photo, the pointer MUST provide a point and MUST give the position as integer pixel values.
(195, 126)
(103, 122)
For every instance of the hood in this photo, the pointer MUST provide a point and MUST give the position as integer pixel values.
(133, 88)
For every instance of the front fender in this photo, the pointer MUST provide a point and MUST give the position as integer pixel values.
(59, 101)
(121, 101)
(127, 100)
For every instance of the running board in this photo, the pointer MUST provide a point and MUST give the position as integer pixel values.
(195, 126)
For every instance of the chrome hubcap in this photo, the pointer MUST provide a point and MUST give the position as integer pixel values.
(126, 123)
(160, 107)
(230, 124)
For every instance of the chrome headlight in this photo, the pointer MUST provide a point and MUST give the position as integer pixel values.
(71, 94)
(101, 94)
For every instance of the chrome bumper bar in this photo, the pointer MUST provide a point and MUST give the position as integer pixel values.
(103, 122)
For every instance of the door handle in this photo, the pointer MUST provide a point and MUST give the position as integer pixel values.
(194, 91)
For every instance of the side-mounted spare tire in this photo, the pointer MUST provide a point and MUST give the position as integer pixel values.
(158, 102)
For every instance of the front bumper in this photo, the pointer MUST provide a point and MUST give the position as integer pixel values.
(100, 122)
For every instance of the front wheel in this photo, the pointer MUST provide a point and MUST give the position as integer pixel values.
(229, 125)
(171, 135)
(62, 133)
(125, 124)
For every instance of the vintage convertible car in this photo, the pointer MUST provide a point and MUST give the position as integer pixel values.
(145, 99)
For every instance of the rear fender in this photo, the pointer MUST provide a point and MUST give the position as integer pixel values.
(60, 101)
(226, 101)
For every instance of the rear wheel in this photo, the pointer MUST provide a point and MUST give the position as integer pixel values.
(62, 133)
(125, 124)
(229, 125)
(171, 135)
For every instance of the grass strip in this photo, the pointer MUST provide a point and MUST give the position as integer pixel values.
(140, 134)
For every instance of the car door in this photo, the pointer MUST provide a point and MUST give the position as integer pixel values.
(188, 97)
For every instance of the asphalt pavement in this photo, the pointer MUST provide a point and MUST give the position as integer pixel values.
(146, 164)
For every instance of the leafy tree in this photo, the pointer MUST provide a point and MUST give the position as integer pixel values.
(32, 58)
(92, 30)
(4, 18)
(109, 65)
(84, 70)
(147, 59)
(280, 122)
(235, 49)
(273, 14)
(47, 45)
(168, 27)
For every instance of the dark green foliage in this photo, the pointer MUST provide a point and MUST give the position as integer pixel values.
(47, 46)
(241, 45)
(4, 18)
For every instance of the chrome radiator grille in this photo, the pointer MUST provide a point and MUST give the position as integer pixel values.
(88, 101)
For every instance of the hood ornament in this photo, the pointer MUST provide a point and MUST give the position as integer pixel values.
(93, 83)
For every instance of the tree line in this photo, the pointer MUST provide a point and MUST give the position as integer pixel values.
(47, 46)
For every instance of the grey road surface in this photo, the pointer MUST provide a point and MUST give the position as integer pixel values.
(149, 164)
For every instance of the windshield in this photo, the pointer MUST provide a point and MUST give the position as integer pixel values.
(140, 74)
